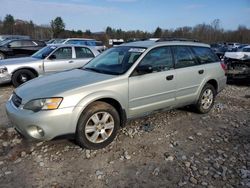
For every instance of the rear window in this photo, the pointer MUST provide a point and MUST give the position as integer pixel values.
(204, 55)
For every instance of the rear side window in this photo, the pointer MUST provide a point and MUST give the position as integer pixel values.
(82, 52)
(204, 55)
(184, 57)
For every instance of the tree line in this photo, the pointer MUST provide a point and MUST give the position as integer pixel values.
(208, 33)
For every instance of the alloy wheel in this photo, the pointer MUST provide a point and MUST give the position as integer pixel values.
(99, 127)
(207, 99)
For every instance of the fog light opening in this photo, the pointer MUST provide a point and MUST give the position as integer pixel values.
(36, 132)
(40, 131)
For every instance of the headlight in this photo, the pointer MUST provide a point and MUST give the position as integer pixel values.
(43, 104)
(3, 70)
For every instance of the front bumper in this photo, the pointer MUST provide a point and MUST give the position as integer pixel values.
(52, 123)
(5, 78)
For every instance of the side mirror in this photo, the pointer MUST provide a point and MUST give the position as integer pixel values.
(52, 57)
(8, 46)
(144, 69)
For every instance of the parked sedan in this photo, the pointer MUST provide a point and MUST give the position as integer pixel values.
(50, 59)
(19, 48)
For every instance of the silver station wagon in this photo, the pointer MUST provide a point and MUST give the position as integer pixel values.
(124, 82)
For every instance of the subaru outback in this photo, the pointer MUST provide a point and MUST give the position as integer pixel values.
(122, 83)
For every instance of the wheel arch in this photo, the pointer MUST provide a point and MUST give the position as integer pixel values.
(118, 107)
(109, 100)
(214, 83)
(26, 68)
(211, 81)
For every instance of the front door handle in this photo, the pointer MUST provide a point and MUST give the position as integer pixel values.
(71, 61)
(170, 77)
(201, 71)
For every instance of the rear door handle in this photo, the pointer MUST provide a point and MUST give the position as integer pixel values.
(71, 61)
(201, 71)
(170, 77)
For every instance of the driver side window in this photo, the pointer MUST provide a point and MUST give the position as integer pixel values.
(63, 53)
(160, 59)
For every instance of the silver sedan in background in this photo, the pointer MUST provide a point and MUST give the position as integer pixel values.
(48, 60)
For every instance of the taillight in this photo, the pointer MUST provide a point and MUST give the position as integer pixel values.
(223, 66)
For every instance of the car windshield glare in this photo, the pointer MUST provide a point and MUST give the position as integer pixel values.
(116, 60)
(44, 52)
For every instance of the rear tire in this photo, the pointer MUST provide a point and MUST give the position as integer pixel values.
(98, 125)
(2, 56)
(206, 99)
(22, 76)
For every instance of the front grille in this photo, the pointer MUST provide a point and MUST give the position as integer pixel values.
(17, 101)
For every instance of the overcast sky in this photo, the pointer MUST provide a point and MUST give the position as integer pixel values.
(145, 15)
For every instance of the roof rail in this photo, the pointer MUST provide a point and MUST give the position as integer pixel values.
(177, 39)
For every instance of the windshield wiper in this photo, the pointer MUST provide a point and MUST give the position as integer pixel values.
(101, 71)
(92, 69)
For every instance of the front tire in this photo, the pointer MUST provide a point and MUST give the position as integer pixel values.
(97, 126)
(206, 99)
(22, 76)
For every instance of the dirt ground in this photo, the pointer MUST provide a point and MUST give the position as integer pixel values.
(178, 148)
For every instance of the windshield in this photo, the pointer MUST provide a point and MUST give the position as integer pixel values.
(44, 52)
(116, 60)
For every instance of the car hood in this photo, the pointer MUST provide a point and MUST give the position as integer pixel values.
(56, 84)
(15, 61)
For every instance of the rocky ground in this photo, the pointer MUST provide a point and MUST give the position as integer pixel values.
(178, 148)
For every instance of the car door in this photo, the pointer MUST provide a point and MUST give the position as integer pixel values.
(59, 60)
(155, 89)
(189, 75)
(82, 56)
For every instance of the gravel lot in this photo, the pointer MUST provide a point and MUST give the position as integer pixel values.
(178, 148)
